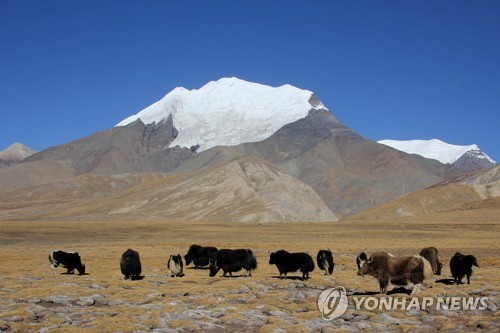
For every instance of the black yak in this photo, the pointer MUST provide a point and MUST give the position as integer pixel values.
(130, 264)
(233, 261)
(287, 262)
(200, 255)
(461, 265)
(68, 260)
(325, 261)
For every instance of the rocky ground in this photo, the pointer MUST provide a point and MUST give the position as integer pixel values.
(33, 298)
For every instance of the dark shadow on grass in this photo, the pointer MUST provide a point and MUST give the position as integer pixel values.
(289, 278)
(400, 290)
(137, 278)
(446, 281)
(368, 293)
(233, 276)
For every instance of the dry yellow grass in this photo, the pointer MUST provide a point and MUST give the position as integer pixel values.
(34, 298)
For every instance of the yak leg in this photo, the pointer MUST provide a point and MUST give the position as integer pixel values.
(383, 285)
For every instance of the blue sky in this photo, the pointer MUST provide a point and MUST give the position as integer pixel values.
(387, 69)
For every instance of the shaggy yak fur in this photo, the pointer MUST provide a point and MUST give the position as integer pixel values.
(233, 261)
(200, 255)
(287, 262)
(461, 265)
(399, 271)
(130, 264)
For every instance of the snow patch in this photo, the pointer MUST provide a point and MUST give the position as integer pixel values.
(16, 151)
(435, 149)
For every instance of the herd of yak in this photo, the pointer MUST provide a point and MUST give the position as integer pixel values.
(385, 267)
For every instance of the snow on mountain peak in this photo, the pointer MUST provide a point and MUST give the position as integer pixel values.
(16, 152)
(434, 148)
(228, 112)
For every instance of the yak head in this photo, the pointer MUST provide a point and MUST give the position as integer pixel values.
(470, 261)
(81, 269)
(188, 259)
(439, 268)
(272, 258)
(214, 267)
(364, 264)
(361, 259)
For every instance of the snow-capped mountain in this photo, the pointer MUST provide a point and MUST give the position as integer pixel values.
(228, 112)
(466, 158)
(231, 120)
(14, 154)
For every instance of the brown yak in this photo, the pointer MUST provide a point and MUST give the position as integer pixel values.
(399, 271)
(431, 254)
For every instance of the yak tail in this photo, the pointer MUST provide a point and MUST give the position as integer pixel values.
(253, 260)
(311, 266)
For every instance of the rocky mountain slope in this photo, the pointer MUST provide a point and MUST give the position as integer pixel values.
(462, 192)
(133, 148)
(474, 160)
(349, 172)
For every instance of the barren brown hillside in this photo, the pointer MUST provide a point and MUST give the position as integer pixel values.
(451, 195)
(244, 189)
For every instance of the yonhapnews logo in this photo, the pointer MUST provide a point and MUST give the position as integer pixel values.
(332, 303)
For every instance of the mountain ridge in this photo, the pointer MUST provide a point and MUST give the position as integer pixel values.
(468, 190)
(349, 172)
(466, 158)
(328, 160)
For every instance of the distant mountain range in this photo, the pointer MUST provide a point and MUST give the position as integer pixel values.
(231, 150)
(466, 158)
(470, 191)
